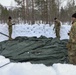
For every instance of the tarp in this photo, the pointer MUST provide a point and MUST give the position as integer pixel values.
(35, 50)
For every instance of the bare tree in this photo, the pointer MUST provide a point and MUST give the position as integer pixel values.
(32, 16)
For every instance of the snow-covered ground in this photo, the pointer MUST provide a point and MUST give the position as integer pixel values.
(34, 30)
(26, 68)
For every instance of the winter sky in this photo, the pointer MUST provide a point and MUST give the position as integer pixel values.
(13, 3)
(7, 2)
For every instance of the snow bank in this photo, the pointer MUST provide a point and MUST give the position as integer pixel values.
(34, 30)
(3, 61)
(36, 69)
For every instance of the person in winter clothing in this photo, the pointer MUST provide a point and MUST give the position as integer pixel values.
(72, 41)
(57, 27)
(9, 22)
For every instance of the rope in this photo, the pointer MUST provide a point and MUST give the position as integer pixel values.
(5, 65)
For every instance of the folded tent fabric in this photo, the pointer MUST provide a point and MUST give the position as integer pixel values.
(35, 50)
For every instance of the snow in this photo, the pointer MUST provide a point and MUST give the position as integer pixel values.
(34, 30)
(36, 69)
(65, 69)
(26, 68)
(3, 60)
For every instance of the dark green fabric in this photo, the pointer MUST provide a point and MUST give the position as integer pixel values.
(35, 50)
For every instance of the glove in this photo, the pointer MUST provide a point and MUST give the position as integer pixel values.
(68, 33)
(13, 24)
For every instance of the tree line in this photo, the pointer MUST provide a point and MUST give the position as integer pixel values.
(38, 11)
